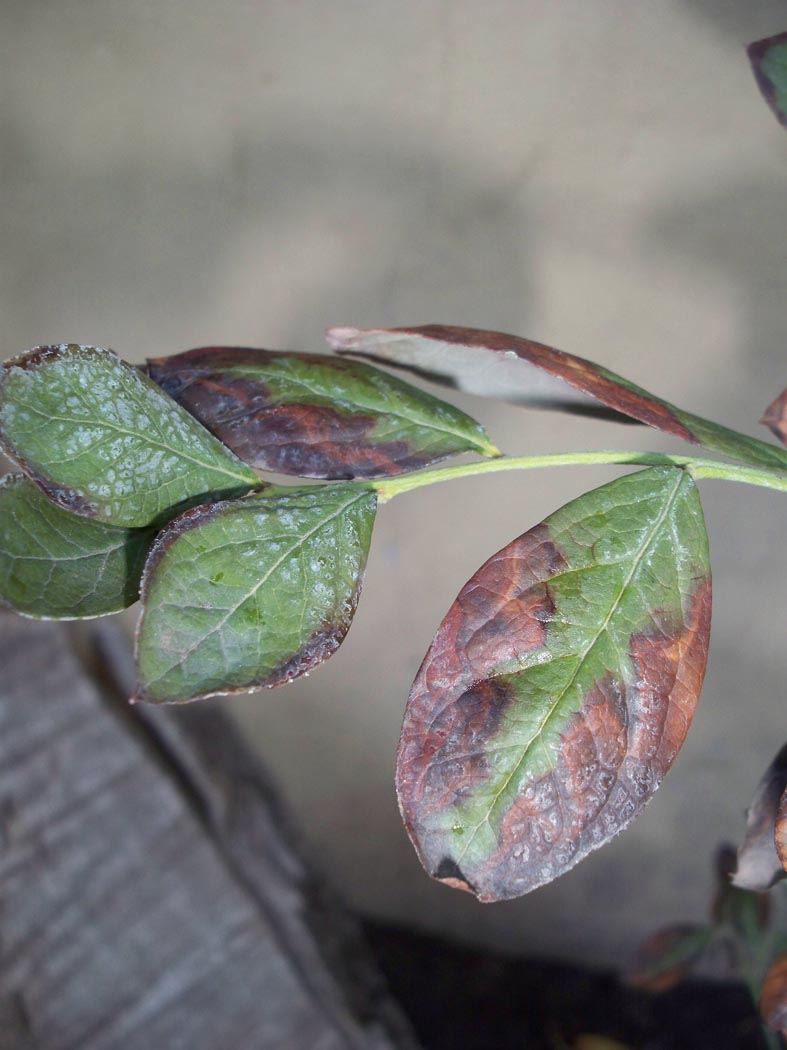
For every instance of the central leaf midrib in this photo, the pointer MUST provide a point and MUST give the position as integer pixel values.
(538, 734)
(250, 594)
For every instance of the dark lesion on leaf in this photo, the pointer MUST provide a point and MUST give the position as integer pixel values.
(448, 871)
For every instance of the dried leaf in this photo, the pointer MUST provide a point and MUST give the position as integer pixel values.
(105, 442)
(56, 565)
(769, 63)
(780, 833)
(252, 592)
(667, 957)
(559, 688)
(507, 367)
(773, 999)
(776, 417)
(759, 866)
(746, 911)
(315, 416)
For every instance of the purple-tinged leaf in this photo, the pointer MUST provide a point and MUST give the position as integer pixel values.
(315, 416)
(776, 417)
(511, 369)
(769, 63)
(759, 866)
(559, 688)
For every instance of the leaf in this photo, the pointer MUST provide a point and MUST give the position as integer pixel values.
(559, 688)
(506, 367)
(747, 912)
(769, 63)
(56, 565)
(253, 592)
(667, 957)
(103, 441)
(759, 866)
(773, 1000)
(776, 417)
(315, 416)
(780, 833)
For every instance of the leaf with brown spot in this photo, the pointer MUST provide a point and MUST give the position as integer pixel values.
(315, 416)
(776, 416)
(773, 999)
(759, 866)
(559, 688)
(513, 369)
(251, 593)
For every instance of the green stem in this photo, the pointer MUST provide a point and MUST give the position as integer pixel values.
(699, 468)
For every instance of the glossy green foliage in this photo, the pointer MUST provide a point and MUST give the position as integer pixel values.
(507, 367)
(559, 688)
(103, 440)
(253, 592)
(316, 416)
(59, 566)
(769, 63)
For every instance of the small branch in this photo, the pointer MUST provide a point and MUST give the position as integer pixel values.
(699, 468)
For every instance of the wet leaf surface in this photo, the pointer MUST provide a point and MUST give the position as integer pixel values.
(559, 688)
(315, 416)
(57, 565)
(668, 957)
(759, 866)
(773, 1000)
(769, 63)
(511, 369)
(105, 442)
(776, 417)
(252, 592)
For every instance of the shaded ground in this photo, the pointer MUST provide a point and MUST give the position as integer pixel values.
(461, 999)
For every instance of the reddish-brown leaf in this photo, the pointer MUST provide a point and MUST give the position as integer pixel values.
(668, 956)
(759, 866)
(773, 999)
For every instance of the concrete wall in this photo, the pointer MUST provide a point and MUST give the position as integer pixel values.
(601, 175)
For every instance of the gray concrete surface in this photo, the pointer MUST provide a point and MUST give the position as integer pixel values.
(597, 174)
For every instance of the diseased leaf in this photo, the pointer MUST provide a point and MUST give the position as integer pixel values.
(747, 912)
(759, 866)
(559, 688)
(773, 1000)
(776, 417)
(58, 566)
(780, 832)
(666, 958)
(506, 367)
(105, 442)
(769, 63)
(252, 592)
(315, 416)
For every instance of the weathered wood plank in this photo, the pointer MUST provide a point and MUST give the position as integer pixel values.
(148, 897)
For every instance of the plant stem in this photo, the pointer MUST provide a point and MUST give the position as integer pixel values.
(699, 468)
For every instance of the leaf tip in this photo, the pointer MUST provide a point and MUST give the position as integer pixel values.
(340, 338)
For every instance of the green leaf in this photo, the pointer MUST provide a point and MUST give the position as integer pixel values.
(559, 688)
(56, 565)
(315, 416)
(506, 367)
(252, 593)
(103, 441)
(769, 63)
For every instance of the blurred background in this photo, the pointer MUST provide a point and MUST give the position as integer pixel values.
(599, 175)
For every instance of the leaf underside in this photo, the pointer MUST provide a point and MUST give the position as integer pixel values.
(102, 440)
(759, 866)
(769, 63)
(253, 592)
(509, 368)
(315, 416)
(776, 417)
(559, 688)
(59, 566)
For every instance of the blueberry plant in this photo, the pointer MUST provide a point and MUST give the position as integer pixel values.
(561, 684)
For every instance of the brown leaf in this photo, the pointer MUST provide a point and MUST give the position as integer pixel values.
(773, 999)
(666, 957)
(759, 866)
(776, 416)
